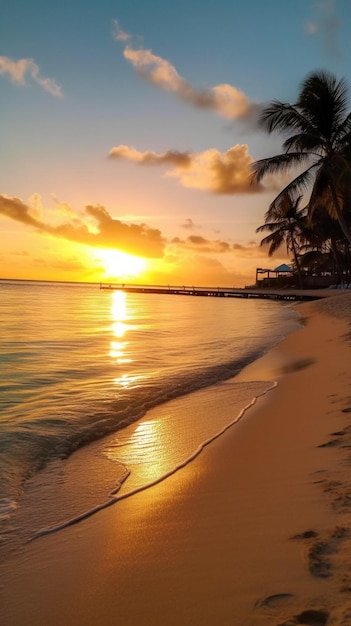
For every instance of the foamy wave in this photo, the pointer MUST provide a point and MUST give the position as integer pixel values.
(113, 498)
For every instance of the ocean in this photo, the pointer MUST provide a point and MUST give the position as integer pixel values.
(104, 393)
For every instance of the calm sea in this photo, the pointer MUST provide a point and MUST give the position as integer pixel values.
(82, 372)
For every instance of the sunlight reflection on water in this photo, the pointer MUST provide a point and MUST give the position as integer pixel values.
(79, 364)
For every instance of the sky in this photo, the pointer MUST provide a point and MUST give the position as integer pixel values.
(128, 128)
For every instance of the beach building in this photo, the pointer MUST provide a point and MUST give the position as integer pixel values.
(264, 276)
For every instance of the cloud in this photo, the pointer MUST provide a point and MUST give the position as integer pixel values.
(19, 70)
(218, 172)
(188, 224)
(224, 99)
(36, 207)
(206, 260)
(201, 244)
(63, 208)
(182, 159)
(97, 229)
(251, 250)
(327, 25)
(118, 33)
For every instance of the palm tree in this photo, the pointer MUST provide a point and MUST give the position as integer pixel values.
(325, 235)
(318, 130)
(285, 223)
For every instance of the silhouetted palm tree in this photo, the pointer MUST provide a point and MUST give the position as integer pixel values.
(324, 234)
(285, 223)
(318, 130)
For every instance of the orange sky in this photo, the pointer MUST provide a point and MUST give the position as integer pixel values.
(59, 244)
(125, 135)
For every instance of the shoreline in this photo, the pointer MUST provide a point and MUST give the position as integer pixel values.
(213, 544)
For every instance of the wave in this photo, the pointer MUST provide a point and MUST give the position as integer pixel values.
(28, 445)
(113, 498)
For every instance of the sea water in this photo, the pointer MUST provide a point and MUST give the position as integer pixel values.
(110, 383)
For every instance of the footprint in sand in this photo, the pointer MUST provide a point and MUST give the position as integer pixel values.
(330, 443)
(273, 600)
(310, 617)
(320, 549)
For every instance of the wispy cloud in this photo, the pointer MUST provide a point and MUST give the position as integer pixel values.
(326, 24)
(214, 261)
(189, 224)
(96, 228)
(203, 245)
(225, 99)
(118, 33)
(171, 157)
(19, 71)
(218, 172)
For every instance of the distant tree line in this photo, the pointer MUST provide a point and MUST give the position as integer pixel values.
(317, 149)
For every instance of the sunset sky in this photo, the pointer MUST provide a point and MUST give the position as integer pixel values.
(128, 127)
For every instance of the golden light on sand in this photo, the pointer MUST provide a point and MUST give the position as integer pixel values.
(141, 448)
(120, 265)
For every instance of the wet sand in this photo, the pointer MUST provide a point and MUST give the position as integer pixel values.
(256, 531)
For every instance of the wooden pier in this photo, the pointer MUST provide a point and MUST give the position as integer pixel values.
(217, 292)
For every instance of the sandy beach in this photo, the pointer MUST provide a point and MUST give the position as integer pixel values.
(256, 531)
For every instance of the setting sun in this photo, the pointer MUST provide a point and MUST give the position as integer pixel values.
(120, 265)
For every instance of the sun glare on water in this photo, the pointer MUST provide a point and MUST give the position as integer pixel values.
(120, 265)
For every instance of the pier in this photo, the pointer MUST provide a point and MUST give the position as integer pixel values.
(217, 292)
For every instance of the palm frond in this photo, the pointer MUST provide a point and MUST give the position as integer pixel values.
(283, 117)
(297, 187)
(317, 131)
(279, 164)
(342, 135)
(323, 100)
(274, 240)
(270, 226)
(305, 142)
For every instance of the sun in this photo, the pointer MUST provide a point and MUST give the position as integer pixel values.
(120, 264)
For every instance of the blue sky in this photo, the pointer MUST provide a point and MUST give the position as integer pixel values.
(145, 112)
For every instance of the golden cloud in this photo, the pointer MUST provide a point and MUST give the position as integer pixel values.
(18, 70)
(218, 172)
(172, 157)
(201, 245)
(138, 239)
(224, 99)
(188, 224)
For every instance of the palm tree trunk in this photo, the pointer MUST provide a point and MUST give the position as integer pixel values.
(297, 263)
(338, 210)
(348, 262)
(336, 255)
